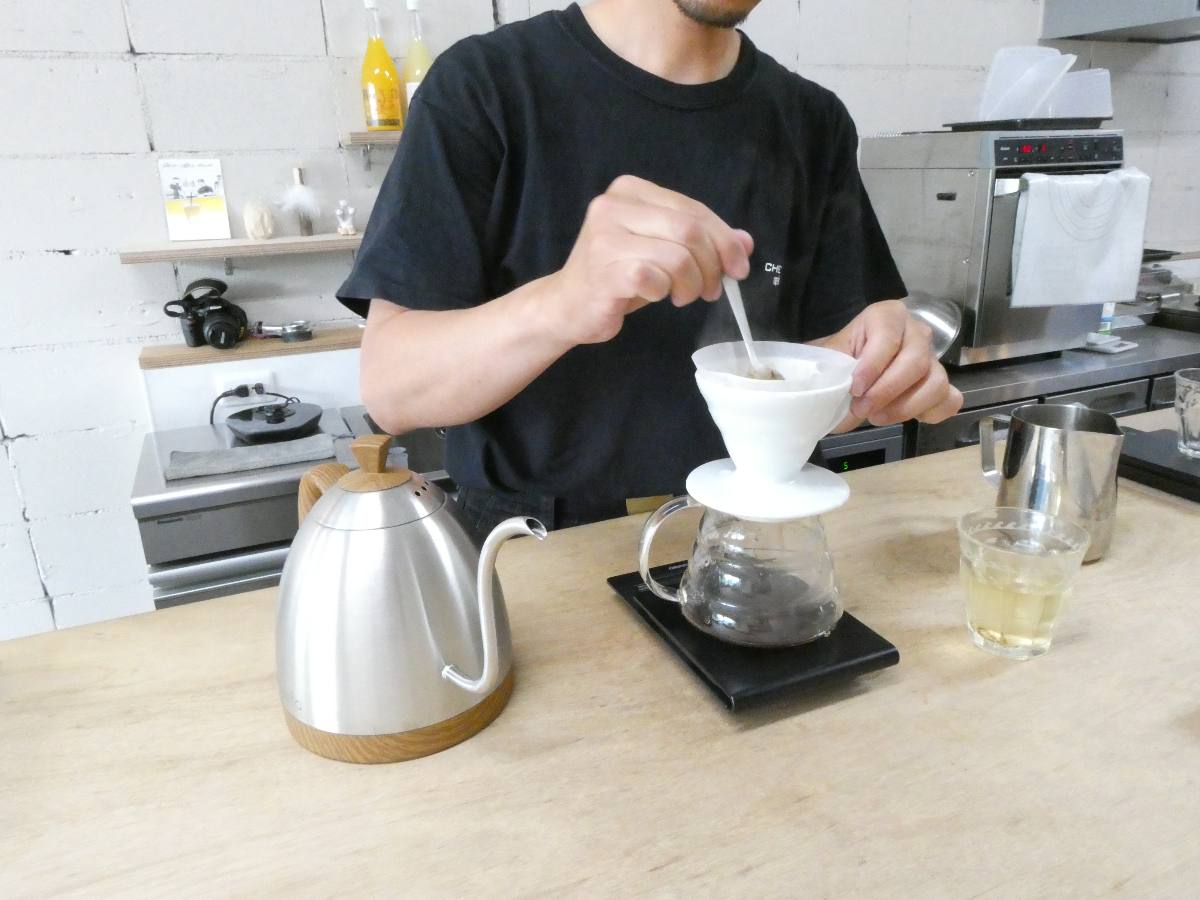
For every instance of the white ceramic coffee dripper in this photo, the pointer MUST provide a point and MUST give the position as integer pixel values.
(771, 428)
(761, 573)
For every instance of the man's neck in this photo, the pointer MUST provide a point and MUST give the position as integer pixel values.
(655, 36)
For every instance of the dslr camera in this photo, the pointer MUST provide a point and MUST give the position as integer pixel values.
(206, 317)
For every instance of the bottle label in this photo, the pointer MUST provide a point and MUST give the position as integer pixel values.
(411, 87)
(382, 106)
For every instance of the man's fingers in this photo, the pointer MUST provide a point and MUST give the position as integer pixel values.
(733, 246)
(677, 261)
(883, 343)
(920, 399)
(639, 279)
(908, 369)
(941, 412)
(642, 221)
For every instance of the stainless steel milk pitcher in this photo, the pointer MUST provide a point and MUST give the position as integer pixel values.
(1060, 460)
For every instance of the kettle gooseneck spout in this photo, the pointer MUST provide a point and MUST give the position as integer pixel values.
(490, 676)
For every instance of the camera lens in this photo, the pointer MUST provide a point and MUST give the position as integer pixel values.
(220, 330)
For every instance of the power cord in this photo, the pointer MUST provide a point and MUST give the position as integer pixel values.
(244, 390)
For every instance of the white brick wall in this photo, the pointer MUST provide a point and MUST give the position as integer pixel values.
(69, 105)
(38, 26)
(10, 500)
(109, 86)
(228, 27)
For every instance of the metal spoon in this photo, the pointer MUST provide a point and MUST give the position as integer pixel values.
(757, 370)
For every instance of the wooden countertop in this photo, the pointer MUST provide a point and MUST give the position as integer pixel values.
(148, 756)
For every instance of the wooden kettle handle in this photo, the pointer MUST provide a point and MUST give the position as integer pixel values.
(315, 482)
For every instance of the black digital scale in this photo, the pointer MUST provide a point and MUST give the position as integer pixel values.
(741, 675)
(1153, 458)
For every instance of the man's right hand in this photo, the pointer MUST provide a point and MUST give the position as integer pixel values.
(640, 243)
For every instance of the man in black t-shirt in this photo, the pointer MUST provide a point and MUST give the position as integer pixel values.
(560, 178)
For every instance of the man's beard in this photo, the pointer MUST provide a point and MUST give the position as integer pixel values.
(708, 13)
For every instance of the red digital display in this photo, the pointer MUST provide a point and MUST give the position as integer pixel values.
(1027, 148)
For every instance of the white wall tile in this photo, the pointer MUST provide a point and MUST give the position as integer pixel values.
(72, 610)
(1139, 101)
(935, 97)
(25, 618)
(89, 203)
(1136, 58)
(1177, 164)
(876, 98)
(513, 10)
(19, 579)
(1174, 219)
(1182, 108)
(536, 7)
(231, 103)
(77, 472)
(1141, 151)
(443, 22)
(264, 27)
(92, 385)
(51, 298)
(91, 25)
(1185, 57)
(80, 554)
(10, 499)
(968, 32)
(773, 27)
(69, 106)
(853, 32)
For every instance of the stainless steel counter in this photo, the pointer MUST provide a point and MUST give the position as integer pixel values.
(1159, 351)
(1119, 383)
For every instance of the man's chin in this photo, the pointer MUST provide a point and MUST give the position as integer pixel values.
(716, 13)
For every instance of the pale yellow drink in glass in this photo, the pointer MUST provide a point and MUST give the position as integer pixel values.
(1017, 568)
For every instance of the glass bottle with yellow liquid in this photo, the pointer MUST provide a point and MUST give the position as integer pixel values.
(382, 90)
(417, 59)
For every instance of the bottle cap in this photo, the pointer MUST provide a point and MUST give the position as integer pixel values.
(371, 4)
(414, 5)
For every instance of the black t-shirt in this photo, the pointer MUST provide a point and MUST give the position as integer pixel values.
(510, 136)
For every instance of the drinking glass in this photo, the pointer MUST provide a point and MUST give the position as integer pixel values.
(1187, 406)
(1017, 567)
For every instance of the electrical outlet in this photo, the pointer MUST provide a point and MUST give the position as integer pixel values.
(227, 381)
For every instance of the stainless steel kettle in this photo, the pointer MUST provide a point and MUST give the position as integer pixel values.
(391, 640)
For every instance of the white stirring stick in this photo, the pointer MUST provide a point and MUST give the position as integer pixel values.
(734, 292)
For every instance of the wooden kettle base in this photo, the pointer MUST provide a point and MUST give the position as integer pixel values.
(386, 748)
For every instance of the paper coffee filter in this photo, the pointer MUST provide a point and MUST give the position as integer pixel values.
(804, 368)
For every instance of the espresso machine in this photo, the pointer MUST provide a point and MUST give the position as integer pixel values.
(947, 202)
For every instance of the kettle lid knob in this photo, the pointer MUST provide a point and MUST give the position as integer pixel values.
(371, 451)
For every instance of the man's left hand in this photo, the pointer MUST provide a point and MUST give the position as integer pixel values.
(897, 377)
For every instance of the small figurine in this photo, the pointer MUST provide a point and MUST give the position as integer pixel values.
(345, 218)
(258, 219)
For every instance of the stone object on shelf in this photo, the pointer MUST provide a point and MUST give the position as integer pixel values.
(259, 220)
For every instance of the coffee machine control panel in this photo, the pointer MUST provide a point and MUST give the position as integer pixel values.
(1030, 150)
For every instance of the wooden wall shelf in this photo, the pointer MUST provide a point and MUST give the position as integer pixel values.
(369, 139)
(359, 138)
(163, 356)
(240, 248)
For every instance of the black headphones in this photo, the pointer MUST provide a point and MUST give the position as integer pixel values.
(206, 317)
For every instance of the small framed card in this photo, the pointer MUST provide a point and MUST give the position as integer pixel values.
(194, 197)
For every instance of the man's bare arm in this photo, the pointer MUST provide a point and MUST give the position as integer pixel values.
(639, 243)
